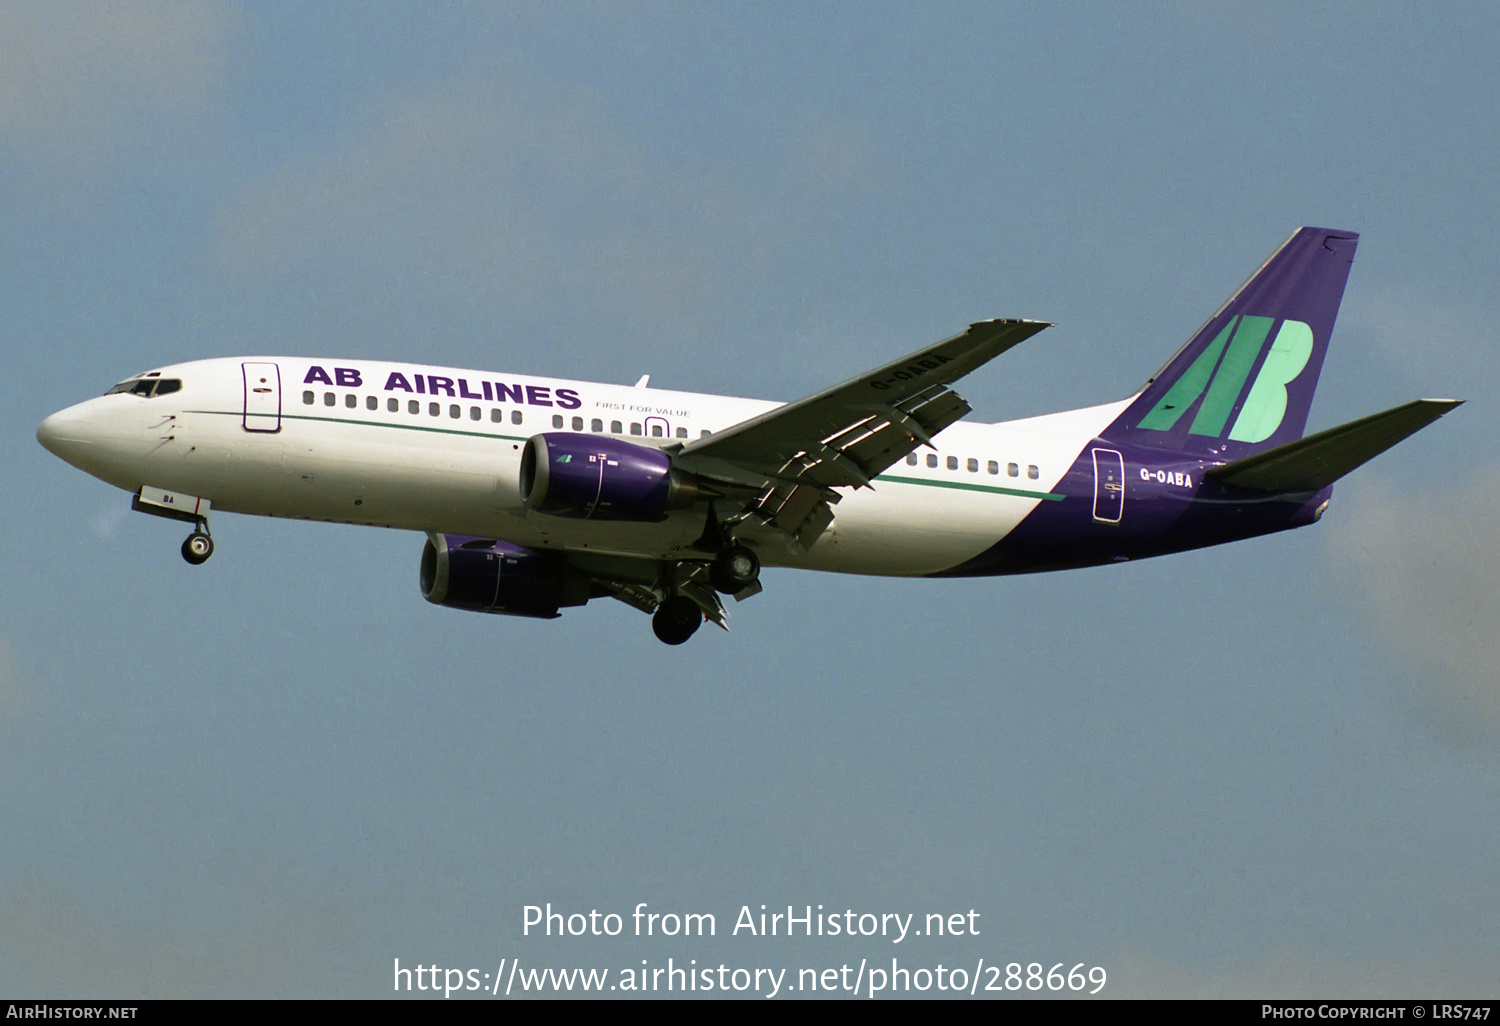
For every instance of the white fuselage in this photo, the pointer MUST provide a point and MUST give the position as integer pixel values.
(438, 450)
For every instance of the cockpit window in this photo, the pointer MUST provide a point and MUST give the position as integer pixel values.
(135, 386)
(147, 387)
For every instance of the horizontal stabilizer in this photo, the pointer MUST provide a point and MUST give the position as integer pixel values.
(1315, 461)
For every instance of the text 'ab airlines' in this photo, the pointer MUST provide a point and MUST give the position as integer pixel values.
(538, 494)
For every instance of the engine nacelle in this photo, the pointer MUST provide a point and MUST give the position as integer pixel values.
(601, 478)
(490, 576)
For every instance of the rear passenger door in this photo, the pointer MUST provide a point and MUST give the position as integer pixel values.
(1109, 486)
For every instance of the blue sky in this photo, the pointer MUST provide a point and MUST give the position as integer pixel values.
(1271, 768)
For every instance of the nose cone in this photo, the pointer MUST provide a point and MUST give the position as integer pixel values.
(67, 434)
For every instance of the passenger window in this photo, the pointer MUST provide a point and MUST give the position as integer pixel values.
(475, 413)
(911, 459)
(932, 460)
(596, 425)
(497, 415)
(682, 432)
(973, 466)
(557, 420)
(308, 398)
(993, 468)
(656, 431)
(1013, 470)
(455, 411)
(705, 434)
(577, 423)
(393, 405)
(351, 400)
(434, 409)
(412, 406)
(329, 398)
(1033, 472)
(952, 462)
(515, 416)
(371, 403)
(635, 429)
(615, 427)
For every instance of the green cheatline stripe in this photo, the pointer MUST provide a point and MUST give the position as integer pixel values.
(965, 486)
(370, 423)
(962, 485)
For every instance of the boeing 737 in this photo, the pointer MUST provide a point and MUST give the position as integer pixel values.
(538, 494)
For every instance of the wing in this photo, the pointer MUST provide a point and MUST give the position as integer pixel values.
(793, 457)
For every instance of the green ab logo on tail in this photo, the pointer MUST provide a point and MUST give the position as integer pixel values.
(1266, 404)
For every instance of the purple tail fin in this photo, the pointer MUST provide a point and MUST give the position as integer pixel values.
(1245, 382)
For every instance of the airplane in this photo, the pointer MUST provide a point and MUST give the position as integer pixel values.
(539, 494)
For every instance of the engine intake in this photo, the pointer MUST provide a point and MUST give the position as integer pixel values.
(594, 477)
(489, 576)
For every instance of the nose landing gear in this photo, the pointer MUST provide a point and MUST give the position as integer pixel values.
(179, 506)
(198, 546)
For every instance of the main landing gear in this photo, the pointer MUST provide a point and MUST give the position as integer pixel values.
(677, 619)
(735, 569)
(198, 546)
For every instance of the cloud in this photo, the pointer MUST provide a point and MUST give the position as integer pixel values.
(538, 208)
(837, 154)
(1429, 339)
(496, 193)
(82, 84)
(108, 521)
(258, 943)
(1425, 569)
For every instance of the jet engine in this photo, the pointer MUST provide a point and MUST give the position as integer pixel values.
(595, 477)
(490, 576)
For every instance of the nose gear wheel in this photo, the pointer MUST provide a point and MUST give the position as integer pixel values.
(198, 547)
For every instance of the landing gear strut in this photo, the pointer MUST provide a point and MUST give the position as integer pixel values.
(179, 506)
(735, 569)
(198, 546)
(677, 619)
